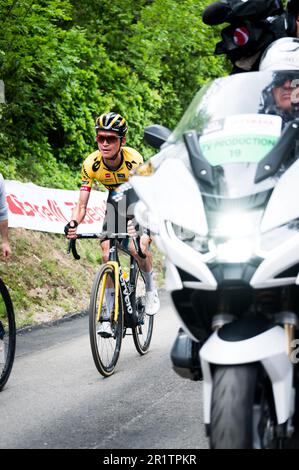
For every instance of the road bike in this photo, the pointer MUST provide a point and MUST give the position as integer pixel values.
(128, 309)
(7, 335)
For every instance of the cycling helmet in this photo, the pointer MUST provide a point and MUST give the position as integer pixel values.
(282, 54)
(112, 122)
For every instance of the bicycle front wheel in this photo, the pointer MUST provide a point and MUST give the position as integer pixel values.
(142, 333)
(105, 346)
(7, 335)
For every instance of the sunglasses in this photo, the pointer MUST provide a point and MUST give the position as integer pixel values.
(110, 139)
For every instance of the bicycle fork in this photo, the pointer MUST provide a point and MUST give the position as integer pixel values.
(114, 268)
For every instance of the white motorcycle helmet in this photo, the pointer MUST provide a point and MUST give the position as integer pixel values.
(282, 54)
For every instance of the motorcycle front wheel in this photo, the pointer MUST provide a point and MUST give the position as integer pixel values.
(242, 410)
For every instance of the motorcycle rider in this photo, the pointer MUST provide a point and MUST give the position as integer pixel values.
(277, 99)
(280, 98)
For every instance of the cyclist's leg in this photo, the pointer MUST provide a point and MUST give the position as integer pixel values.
(105, 327)
(112, 223)
(108, 226)
(152, 303)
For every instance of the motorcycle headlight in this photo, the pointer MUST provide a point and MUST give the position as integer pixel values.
(235, 250)
(197, 242)
(235, 238)
(229, 239)
(235, 235)
(236, 224)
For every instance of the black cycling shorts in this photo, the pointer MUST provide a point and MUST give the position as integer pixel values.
(117, 217)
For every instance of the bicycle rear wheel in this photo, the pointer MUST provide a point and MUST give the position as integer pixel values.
(7, 335)
(142, 333)
(105, 349)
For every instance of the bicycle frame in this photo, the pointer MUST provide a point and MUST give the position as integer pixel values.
(126, 289)
(129, 310)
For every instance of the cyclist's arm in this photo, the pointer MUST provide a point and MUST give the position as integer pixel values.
(79, 211)
(78, 215)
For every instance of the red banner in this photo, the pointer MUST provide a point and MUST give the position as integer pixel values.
(48, 210)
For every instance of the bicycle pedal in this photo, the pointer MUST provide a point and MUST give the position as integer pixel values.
(105, 330)
(105, 335)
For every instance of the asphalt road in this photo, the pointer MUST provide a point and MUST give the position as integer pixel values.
(56, 399)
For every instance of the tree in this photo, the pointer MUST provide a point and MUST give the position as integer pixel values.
(64, 62)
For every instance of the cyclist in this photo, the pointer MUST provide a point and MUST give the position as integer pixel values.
(254, 24)
(111, 165)
(6, 251)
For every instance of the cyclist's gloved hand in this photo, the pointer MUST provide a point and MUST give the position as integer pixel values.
(70, 228)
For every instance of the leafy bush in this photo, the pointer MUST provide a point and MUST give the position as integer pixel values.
(64, 62)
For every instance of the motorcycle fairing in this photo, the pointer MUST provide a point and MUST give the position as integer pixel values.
(173, 193)
(281, 207)
(277, 261)
(269, 348)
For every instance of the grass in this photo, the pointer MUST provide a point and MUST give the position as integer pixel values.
(45, 282)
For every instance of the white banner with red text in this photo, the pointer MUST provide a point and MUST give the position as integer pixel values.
(48, 210)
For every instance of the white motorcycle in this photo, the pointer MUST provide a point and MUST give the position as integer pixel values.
(222, 197)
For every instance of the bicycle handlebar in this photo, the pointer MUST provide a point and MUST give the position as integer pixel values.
(136, 242)
(72, 248)
(102, 236)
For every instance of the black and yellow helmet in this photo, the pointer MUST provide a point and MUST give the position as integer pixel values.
(112, 122)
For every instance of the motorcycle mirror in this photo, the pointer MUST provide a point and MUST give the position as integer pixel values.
(156, 135)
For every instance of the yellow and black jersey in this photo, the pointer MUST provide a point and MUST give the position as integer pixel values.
(94, 168)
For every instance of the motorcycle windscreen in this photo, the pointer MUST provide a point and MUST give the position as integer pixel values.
(242, 138)
(238, 120)
(271, 93)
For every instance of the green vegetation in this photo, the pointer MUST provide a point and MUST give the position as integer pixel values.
(63, 62)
